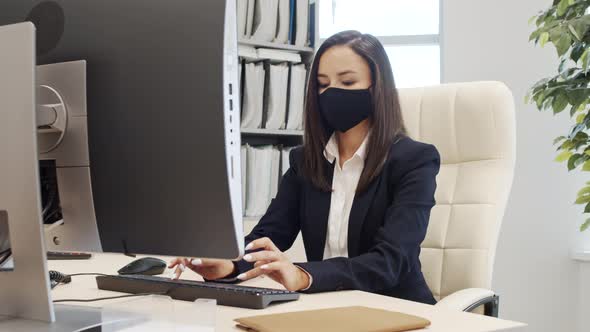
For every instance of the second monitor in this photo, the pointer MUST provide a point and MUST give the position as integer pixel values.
(163, 124)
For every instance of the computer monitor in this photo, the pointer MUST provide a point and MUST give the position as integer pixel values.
(162, 127)
(163, 121)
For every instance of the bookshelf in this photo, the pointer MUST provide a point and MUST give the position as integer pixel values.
(281, 137)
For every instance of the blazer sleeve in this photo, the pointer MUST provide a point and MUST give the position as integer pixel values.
(396, 242)
(281, 221)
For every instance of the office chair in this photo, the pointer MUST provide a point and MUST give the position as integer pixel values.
(473, 127)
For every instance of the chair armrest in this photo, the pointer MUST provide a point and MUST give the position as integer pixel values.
(471, 298)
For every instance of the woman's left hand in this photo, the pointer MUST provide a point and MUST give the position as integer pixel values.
(272, 262)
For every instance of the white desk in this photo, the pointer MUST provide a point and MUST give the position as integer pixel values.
(442, 319)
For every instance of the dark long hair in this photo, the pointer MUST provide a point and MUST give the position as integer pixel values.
(386, 121)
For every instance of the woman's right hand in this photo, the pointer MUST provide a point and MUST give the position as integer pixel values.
(210, 269)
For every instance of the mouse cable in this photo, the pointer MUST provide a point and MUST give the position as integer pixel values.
(109, 297)
(62, 278)
(89, 274)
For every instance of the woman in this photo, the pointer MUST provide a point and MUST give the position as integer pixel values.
(359, 190)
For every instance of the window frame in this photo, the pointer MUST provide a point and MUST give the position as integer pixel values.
(413, 40)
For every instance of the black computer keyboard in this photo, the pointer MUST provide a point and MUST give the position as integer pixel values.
(187, 290)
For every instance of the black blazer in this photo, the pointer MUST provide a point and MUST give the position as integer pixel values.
(387, 224)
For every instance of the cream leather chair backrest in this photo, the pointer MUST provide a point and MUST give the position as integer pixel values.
(473, 127)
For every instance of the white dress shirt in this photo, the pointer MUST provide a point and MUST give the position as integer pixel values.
(344, 184)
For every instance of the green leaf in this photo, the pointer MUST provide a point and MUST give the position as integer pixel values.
(584, 191)
(587, 208)
(559, 103)
(586, 167)
(577, 96)
(574, 32)
(578, 28)
(577, 52)
(566, 145)
(571, 163)
(563, 156)
(532, 19)
(562, 7)
(583, 199)
(563, 44)
(558, 139)
(543, 39)
(580, 118)
(585, 225)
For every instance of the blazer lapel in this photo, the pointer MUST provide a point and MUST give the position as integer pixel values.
(360, 206)
(319, 210)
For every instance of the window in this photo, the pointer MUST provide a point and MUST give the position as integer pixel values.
(408, 29)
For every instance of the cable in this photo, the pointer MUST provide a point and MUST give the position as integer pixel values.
(59, 277)
(108, 297)
(62, 278)
(89, 274)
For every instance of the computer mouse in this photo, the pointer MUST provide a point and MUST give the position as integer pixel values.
(144, 266)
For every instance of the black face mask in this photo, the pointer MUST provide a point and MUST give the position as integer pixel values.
(342, 109)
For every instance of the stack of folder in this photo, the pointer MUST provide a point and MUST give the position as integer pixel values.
(279, 21)
(262, 169)
(273, 95)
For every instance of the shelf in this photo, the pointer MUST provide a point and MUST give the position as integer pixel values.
(271, 132)
(279, 46)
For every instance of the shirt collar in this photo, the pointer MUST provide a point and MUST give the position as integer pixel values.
(331, 150)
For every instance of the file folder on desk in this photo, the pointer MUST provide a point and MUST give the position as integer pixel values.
(345, 319)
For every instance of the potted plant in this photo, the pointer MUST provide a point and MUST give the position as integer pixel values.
(566, 25)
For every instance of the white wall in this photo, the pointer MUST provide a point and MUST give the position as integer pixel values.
(534, 274)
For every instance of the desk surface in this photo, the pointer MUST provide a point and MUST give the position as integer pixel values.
(442, 319)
